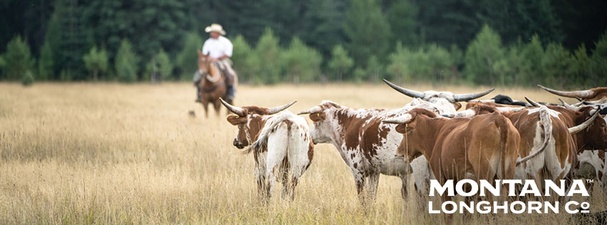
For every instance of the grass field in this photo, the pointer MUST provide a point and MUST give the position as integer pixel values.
(108, 153)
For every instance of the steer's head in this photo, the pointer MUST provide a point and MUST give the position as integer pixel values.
(249, 120)
(322, 130)
(439, 97)
(414, 132)
(596, 132)
(589, 125)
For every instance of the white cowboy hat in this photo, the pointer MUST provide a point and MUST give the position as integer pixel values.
(215, 28)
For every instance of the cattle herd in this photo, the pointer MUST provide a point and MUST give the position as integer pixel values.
(431, 138)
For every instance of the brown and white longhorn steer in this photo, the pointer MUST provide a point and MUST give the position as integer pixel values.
(545, 140)
(368, 146)
(593, 137)
(365, 144)
(592, 156)
(280, 142)
(482, 148)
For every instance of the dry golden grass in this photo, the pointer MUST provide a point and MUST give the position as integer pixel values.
(129, 154)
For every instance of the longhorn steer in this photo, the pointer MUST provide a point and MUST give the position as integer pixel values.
(366, 146)
(484, 147)
(444, 102)
(592, 138)
(280, 143)
(594, 97)
(542, 134)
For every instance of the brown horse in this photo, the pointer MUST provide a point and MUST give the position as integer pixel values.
(212, 83)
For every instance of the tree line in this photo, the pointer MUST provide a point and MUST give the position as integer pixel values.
(487, 42)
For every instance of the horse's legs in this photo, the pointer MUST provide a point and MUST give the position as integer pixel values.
(217, 107)
(205, 106)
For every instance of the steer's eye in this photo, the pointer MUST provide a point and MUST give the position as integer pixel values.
(317, 116)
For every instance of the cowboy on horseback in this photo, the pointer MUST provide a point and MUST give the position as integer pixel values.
(219, 50)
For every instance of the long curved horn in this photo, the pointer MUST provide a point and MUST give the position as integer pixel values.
(571, 94)
(584, 125)
(399, 120)
(280, 108)
(402, 90)
(533, 103)
(310, 111)
(236, 110)
(567, 105)
(468, 97)
(468, 113)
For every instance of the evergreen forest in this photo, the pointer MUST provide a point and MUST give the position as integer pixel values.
(558, 43)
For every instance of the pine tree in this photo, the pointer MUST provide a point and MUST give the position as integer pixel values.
(323, 27)
(268, 52)
(599, 61)
(187, 57)
(367, 30)
(557, 66)
(532, 54)
(126, 63)
(73, 39)
(166, 66)
(582, 66)
(481, 57)
(302, 63)
(340, 62)
(96, 61)
(18, 59)
(241, 58)
(400, 63)
(50, 57)
(403, 23)
(46, 63)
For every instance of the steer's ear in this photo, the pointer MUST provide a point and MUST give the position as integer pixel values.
(404, 123)
(457, 105)
(404, 128)
(318, 116)
(235, 119)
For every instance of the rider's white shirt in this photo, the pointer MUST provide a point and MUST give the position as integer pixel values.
(217, 47)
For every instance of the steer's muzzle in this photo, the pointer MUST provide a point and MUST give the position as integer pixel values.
(238, 144)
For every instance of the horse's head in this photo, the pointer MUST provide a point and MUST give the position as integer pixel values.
(207, 69)
(204, 63)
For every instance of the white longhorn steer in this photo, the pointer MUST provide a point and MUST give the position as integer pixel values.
(280, 142)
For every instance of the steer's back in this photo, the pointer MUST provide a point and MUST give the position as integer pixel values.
(487, 145)
(286, 135)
